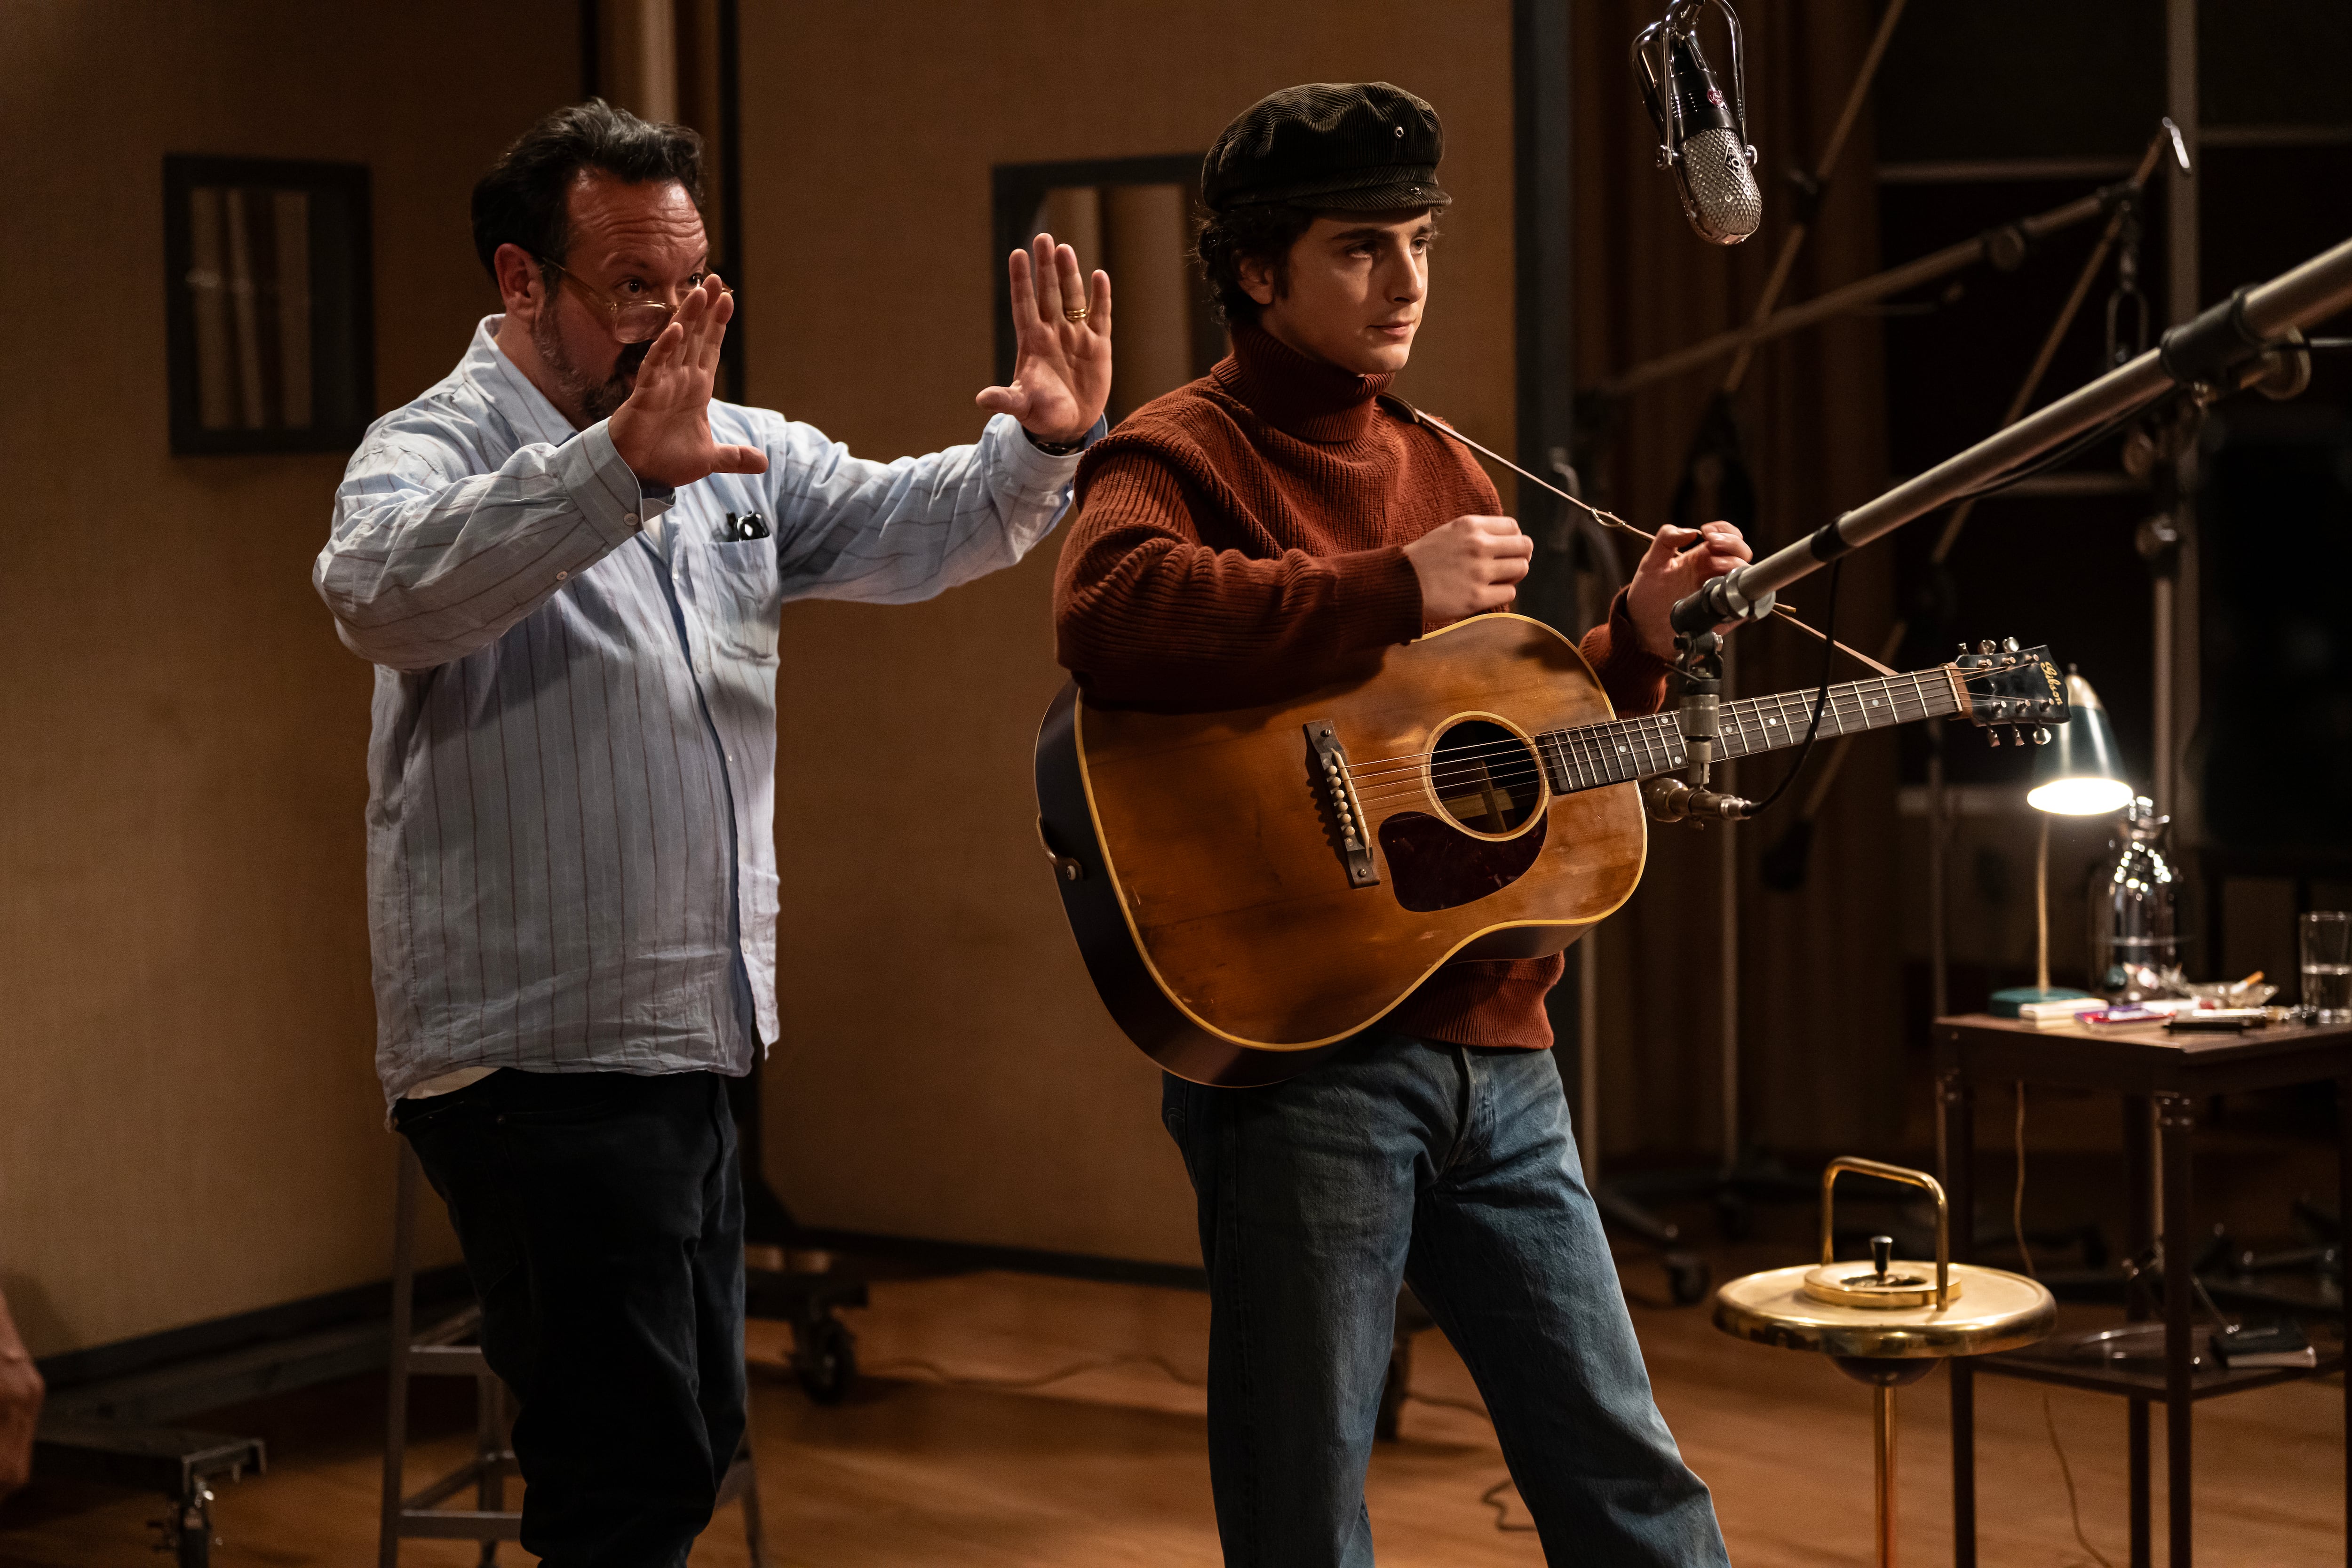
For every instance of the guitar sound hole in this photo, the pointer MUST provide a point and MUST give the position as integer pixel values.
(1486, 779)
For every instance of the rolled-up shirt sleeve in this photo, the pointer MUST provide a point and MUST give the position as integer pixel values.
(893, 533)
(428, 561)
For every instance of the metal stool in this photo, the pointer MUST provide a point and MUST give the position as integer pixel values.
(1889, 1324)
(443, 1351)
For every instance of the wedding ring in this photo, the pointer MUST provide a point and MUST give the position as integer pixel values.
(1079, 314)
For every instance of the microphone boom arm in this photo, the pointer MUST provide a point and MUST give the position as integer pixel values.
(2209, 354)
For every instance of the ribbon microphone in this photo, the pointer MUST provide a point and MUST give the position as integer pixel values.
(1702, 141)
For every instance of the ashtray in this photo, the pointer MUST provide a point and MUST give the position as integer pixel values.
(2230, 993)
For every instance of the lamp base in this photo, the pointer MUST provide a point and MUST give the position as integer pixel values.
(2005, 1003)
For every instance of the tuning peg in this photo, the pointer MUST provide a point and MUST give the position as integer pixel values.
(2009, 644)
(2041, 736)
(2016, 736)
(1986, 646)
(1992, 736)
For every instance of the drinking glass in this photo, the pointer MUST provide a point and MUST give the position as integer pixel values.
(2327, 965)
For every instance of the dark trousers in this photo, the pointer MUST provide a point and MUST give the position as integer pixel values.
(602, 1219)
(1451, 1167)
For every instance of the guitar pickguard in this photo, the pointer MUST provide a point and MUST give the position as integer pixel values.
(1434, 865)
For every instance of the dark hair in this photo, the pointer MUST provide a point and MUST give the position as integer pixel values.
(1262, 231)
(524, 199)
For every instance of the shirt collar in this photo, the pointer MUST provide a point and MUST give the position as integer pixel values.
(508, 390)
(1300, 396)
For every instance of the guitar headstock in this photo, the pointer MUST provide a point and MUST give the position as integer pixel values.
(2001, 683)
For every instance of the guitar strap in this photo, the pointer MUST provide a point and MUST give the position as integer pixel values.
(1782, 611)
(1610, 519)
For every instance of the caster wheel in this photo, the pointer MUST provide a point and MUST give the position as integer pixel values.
(824, 1358)
(1688, 1279)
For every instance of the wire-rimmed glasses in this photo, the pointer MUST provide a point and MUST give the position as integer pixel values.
(633, 321)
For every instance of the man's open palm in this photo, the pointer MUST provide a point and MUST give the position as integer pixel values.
(1061, 368)
(663, 431)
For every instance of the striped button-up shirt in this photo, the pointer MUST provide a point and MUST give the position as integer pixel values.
(571, 859)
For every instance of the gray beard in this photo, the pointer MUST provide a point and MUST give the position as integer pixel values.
(596, 399)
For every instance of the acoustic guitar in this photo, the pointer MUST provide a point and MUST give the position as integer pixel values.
(1251, 887)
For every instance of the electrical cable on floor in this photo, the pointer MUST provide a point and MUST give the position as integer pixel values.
(2066, 1473)
(1014, 1384)
(2049, 1415)
(1491, 1496)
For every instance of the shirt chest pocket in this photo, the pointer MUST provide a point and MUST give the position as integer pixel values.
(742, 598)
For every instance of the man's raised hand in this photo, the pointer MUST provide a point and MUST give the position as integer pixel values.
(1468, 566)
(663, 431)
(1061, 368)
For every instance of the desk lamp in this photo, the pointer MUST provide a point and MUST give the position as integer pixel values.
(2078, 773)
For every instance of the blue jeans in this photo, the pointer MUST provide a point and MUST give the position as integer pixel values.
(1454, 1168)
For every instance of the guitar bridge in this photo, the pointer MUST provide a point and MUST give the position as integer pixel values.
(1330, 762)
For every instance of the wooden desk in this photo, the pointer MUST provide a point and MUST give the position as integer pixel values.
(2163, 1078)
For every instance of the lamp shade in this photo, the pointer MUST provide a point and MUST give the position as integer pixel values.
(2079, 773)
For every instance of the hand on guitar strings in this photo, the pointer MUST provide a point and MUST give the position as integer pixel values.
(1469, 566)
(1061, 357)
(1679, 562)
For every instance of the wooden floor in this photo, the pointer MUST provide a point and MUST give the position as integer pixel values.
(1106, 1467)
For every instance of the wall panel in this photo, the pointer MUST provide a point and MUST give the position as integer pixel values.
(189, 1120)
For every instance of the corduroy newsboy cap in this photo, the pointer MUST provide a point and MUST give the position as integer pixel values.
(1362, 146)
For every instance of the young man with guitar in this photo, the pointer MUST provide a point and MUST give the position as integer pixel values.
(1271, 529)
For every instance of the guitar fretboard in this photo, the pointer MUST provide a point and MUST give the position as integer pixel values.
(1623, 749)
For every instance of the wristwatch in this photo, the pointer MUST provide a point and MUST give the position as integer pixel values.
(1055, 449)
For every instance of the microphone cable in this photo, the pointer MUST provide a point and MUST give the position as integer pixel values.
(1820, 699)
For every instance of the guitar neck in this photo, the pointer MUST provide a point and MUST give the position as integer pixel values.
(1625, 749)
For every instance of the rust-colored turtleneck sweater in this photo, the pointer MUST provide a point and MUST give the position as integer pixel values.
(1243, 538)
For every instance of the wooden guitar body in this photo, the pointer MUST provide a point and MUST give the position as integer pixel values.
(1251, 887)
(1204, 857)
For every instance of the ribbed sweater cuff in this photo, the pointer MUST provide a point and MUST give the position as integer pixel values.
(1626, 664)
(1379, 596)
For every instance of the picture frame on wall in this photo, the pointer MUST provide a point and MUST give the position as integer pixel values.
(269, 305)
(1134, 217)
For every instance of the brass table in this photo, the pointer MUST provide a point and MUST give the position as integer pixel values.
(1888, 1322)
(2163, 1078)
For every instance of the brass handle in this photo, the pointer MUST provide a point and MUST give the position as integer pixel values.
(1909, 1177)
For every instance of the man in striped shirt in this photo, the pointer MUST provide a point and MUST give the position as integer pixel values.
(567, 562)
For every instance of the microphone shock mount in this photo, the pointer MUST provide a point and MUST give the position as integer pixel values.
(1699, 662)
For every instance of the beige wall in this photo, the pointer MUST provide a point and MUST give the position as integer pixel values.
(945, 1070)
(189, 1122)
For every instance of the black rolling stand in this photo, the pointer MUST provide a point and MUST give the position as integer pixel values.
(183, 1465)
(824, 1351)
